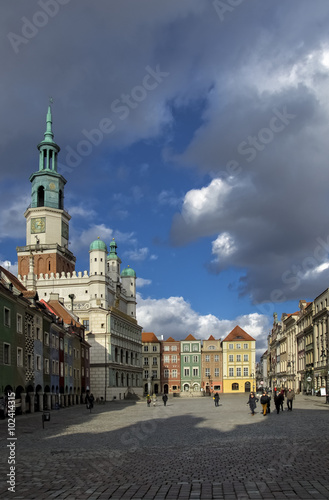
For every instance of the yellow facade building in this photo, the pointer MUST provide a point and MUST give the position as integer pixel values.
(239, 357)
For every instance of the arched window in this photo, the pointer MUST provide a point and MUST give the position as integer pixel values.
(41, 196)
(235, 387)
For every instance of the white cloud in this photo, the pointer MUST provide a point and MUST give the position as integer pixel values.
(174, 317)
(139, 254)
(169, 198)
(79, 210)
(141, 282)
(223, 246)
(201, 203)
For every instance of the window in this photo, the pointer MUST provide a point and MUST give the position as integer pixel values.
(245, 357)
(82, 352)
(53, 364)
(230, 372)
(61, 344)
(238, 346)
(19, 356)
(216, 358)
(207, 372)
(29, 361)
(174, 347)
(174, 373)
(238, 372)
(230, 346)
(155, 361)
(195, 372)
(235, 387)
(217, 388)
(46, 338)
(174, 358)
(238, 358)
(186, 359)
(19, 322)
(195, 359)
(166, 359)
(207, 358)
(154, 373)
(245, 372)
(211, 347)
(38, 333)
(186, 348)
(6, 316)
(216, 372)
(83, 371)
(146, 348)
(87, 354)
(6, 354)
(155, 348)
(230, 358)
(146, 374)
(245, 346)
(62, 369)
(166, 348)
(86, 322)
(46, 365)
(174, 387)
(74, 372)
(186, 372)
(146, 361)
(38, 363)
(166, 373)
(29, 330)
(195, 347)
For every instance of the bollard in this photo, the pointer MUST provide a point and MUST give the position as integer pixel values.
(45, 418)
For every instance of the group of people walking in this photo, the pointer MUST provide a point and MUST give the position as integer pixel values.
(265, 401)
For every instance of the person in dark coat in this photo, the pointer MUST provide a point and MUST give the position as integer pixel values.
(290, 396)
(282, 393)
(216, 398)
(165, 399)
(89, 401)
(264, 400)
(278, 401)
(252, 402)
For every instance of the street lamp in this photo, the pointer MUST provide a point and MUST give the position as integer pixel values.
(210, 382)
(253, 382)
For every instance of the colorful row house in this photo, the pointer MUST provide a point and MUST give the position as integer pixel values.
(44, 357)
(199, 367)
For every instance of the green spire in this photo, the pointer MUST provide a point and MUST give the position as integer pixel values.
(49, 136)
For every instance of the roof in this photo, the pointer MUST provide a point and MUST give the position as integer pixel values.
(211, 337)
(149, 337)
(238, 334)
(128, 272)
(62, 312)
(190, 337)
(171, 340)
(13, 279)
(98, 245)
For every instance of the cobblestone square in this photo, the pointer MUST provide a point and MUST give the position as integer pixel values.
(188, 449)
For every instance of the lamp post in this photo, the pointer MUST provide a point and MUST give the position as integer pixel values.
(253, 382)
(210, 382)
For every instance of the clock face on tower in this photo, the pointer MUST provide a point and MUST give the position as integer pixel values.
(38, 225)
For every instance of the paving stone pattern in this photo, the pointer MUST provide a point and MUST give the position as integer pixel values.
(187, 450)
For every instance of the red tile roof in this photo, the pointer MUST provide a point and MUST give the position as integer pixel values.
(190, 337)
(12, 278)
(237, 334)
(211, 337)
(149, 337)
(62, 312)
(170, 340)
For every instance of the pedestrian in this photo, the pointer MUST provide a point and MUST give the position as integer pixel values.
(268, 403)
(290, 398)
(154, 399)
(148, 400)
(278, 401)
(264, 402)
(216, 398)
(252, 402)
(165, 399)
(89, 401)
(282, 393)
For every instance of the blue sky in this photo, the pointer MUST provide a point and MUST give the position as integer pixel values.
(194, 132)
